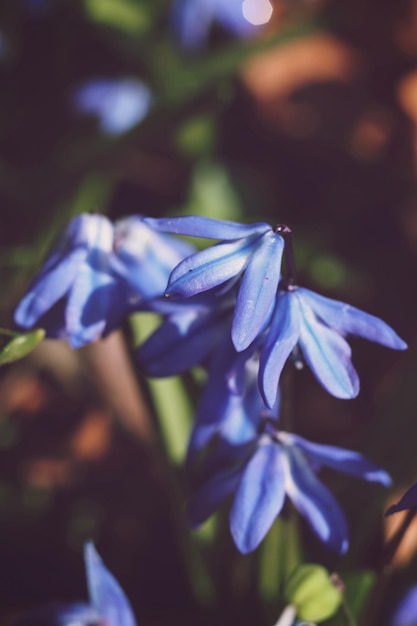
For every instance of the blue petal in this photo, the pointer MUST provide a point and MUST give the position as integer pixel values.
(257, 291)
(106, 595)
(146, 257)
(182, 341)
(48, 288)
(328, 355)
(340, 459)
(93, 299)
(280, 341)
(62, 265)
(351, 320)
(315, 502)
(408, 501)
(210, 267)
(207, 227)
(259, 498)
(212, 494)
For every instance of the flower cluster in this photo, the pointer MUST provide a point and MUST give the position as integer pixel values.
(231, 309)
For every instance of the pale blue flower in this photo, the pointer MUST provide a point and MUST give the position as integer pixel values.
(96, 274)
(260, 474)
(318, 326)
(118, 103)
(253, 251)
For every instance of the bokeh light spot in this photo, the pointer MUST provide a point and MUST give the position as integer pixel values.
(257, 12)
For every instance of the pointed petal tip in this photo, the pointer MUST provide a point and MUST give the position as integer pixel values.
(90, 552)
(241, 545)
(241, 340)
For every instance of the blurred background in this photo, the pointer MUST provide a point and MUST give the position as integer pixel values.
(304, 113)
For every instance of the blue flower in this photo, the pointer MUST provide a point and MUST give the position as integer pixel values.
(231, 407)
(254, 250)
(261, 473)
(108, 603)
(119, 103)
(405, 613)
(94, 275)
(318, 326)
(193, 18)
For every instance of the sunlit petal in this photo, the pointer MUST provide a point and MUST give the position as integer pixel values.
(257, 291)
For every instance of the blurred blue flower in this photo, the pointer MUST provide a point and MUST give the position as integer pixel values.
(95, 274)
(254, 250)
(192, 19)
(405, 614)
(119, 103)
(318, 326)
(106, 595)
(144, 257)
(108, 603)
(259, 474)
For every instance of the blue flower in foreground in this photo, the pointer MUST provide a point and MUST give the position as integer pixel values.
(259, 475)
(318, 326)
(119, 104)
(193, 18)
(94, 275)
(405, 613)
(108, 603)
(254, 250)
